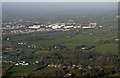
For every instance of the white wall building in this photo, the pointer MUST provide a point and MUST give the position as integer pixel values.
(34, 27)
(56, 27)
(22, 63)
(68, 27)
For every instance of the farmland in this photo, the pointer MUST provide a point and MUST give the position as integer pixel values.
(100, 38)
(20, 70)
(60, 39)
(45, 46)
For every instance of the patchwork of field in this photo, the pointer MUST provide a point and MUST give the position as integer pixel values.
(102, 39)
(40, 45)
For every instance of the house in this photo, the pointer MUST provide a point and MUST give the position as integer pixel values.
(91, 25)
(117, 39)
(56, 27)
(25, 64)
(85, 27)
(68, 74)
(9, 48)
(73, 65)
(89, 67)
(34, 27)
(68, 27)
(8, 38)
(36, 62)
(16, 64)
(60, 65)
(52, 65)
(100, 26)
(68, 36)
(22, 63)
(1, 56)
(69, 66)
(83, 48)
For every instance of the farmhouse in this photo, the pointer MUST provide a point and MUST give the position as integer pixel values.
(52, 65)
(68, 27)
(22, 63)
(34, 27)
(9, 48)
(56, 27)
(36, 61)
(117, 39)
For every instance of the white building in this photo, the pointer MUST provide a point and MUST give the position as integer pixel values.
(93, 24)
(68, 27)
(56, 27)
(34, 27)
(22, 63)
(85, 27)
(36, 62)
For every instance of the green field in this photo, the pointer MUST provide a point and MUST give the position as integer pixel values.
(115, 75)
(50, 68)
(39, 52)
(20, 70)
(66, 51)
(82, 38)
(112, 48)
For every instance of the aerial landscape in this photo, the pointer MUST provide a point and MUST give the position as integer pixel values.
(65, 39)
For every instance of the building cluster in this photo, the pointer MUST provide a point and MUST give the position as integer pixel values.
(48, 27)
(60, 65)
(76, 66)
(34, 27)
(55, 65)
(63, 26)
(33, 46)
(21, 43)
(23, 63)
(91, 25)
(7, 62)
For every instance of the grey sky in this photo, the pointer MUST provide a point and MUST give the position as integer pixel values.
(60, 0)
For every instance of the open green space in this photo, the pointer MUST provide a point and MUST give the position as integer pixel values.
(50, 68)
(20, 70)
(62, 48)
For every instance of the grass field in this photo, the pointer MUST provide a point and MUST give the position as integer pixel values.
(89, 37)
(82, 38)
(115, 75)
(41, 51)
(20, 70)
(113, 48)
(50, 68)
(5, 66)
